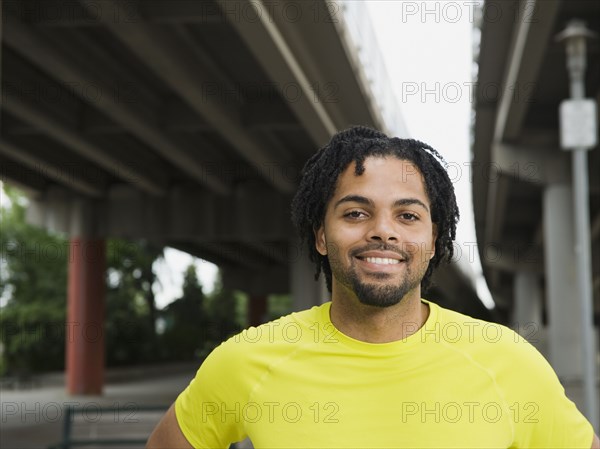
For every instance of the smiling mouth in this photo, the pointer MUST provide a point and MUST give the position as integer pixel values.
(380, 260)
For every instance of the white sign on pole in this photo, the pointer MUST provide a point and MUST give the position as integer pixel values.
(578, 124)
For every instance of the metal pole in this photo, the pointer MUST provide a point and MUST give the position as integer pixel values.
(575, 36)
(584, 280)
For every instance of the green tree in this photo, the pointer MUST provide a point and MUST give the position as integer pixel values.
(186, 321)
(226, 311)
(33, 281)
(131, 310)
(279, 305)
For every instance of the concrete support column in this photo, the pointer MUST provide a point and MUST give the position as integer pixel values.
(528, 307)
(86, 297)
(527, 314)
(257, 310)
(85, 316)
(564, 319)
(306, 292)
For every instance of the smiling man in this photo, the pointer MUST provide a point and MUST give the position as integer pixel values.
(377, 366)
(378, 238)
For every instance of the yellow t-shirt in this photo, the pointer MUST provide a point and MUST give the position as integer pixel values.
(457, 382)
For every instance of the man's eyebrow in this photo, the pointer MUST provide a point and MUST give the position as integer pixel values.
(354, 199)
(366, 201)
(409, 202)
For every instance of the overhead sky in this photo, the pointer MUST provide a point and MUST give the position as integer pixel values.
(427, 47)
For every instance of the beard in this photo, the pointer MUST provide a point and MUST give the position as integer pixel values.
(375, 293)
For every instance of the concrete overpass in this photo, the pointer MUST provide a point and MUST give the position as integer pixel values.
(522, 179)
(182, 122)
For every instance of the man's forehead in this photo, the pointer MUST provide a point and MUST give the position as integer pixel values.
(376, 162)
(348, 179)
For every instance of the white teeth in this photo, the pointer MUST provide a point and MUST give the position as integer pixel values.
(381, 260)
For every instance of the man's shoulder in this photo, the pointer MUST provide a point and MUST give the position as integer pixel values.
(296, 327)
(491, 345)
(256, 348)
(474, 334)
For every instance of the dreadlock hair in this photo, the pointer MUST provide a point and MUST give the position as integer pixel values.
(321, 172)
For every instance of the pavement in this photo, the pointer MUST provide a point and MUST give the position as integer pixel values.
(32, 418)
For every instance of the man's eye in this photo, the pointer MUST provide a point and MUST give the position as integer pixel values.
(408, 216)
(354, 214)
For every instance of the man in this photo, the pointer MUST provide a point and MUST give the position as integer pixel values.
(377, 366)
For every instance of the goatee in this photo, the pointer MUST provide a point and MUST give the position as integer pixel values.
(378, 294)
(382, 295)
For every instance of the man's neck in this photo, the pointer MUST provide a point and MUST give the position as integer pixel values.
(378, 324)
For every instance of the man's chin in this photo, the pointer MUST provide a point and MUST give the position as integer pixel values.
(378, 303)
(378, 289)
(379, 296)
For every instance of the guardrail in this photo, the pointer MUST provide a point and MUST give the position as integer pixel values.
(84, 426)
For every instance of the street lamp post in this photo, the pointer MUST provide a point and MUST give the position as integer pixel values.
(578, 134)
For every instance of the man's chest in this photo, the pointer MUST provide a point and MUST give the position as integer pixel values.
(376, 405)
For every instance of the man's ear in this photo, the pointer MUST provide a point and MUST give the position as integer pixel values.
(321, 241)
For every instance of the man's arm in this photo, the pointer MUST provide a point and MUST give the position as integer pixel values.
(168, 434)
(596, 442)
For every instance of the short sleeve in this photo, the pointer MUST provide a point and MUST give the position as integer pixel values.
(208, 410)
(544, 416)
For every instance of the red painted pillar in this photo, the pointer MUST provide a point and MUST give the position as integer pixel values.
(257, 310)
(85, 316)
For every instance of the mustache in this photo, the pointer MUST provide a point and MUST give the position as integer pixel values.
(382, 247)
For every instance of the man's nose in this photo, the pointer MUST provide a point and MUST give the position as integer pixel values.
(384, 229)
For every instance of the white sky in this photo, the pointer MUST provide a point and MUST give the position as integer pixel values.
(170, 274)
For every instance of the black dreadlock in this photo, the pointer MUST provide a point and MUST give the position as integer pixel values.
(321, 172)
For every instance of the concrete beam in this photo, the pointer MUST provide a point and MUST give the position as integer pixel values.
(264, 281)
(270, 48)
(595, 228)
(523, 163)
(233, 256)
(482, 159)
(52, 170)
(269, 115)
(58, 209)
(535, 24)
(130, 213)
(272, 252)
(71, 14)
(512, 258)
(253, 214)
(80, 145)
(27, 42)
(236, 254)
(317, 33)
(163, 53)
(186, 215)
(533, 165)
(30, 182)
(496, 207)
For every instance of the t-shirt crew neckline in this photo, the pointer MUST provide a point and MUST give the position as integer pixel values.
(392, 347)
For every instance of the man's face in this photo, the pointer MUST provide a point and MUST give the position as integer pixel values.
(377, 233)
